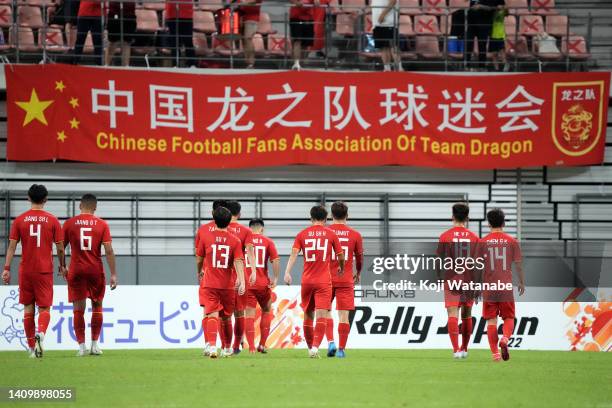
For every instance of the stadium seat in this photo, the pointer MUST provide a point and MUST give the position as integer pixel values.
(426, 25)
(518, 7)
(29, 16)
(52, 40)
(575, 47)
(258, 44)
(446, 24)
(410, 7)
(225, 48)
(23, 40)
(435, 7)
(334, 7)
(264, 26)
(531, 25)
(278, 45)
(557, 26)
(6, 16)
(200, 44)
(211, 5)
(428, 47)
(368, 27)
(517, 48)
(157, 5)
(345, 24)
(543, 7)
(354, 6)
(510, 26)
(147, 21)
(454, 5)
(405, 26)
(204, 22)
(545, 55)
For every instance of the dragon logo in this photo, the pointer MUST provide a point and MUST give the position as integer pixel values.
(576, 125)
(11, 320)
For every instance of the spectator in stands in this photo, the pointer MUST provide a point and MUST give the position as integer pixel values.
(250, 19)
(497, 41)
(65, 15)
(385, 18)
(319, 15)
(301, 27)
(121, 27)
(89, 20)
(480, 22)
(179, 20)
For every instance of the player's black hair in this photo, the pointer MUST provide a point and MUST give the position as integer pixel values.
(89, 200)
(219, 203)
(256, 222)
(38, 193)
(496, 218)
(234, 207)
(339, 210)
(222, 217)
(318, 213)
(461, 211)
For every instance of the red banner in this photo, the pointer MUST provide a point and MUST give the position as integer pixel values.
(173, 119)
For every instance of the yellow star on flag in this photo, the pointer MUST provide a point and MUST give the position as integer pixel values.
(74, 102)
(35, 109)
(74, 123)
(59, 86)
(61, 136)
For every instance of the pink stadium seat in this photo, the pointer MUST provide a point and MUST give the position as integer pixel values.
(345, 24)
(405, 25)
(265, 24)
(52, 40)
(29, 16)
(428, 47)
(146, 21)
(543, 7)
(454, 5)
(557, 26)
(575, 46)
(519, 7)
(410, 7)
(334, 7)
(510, 26)
(200, 44)
(6, 16)
(435, 7)
(426, 25)
(446, 24)
(278, 45)
(225, 47)
(531, 25)
(258, 44)
(518, 49)
(157, 5)
(354, 6)
(204, 22)
(211, 5)
(24, 39)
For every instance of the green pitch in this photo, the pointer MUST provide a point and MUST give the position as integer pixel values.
(366, 378)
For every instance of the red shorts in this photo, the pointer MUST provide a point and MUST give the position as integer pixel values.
(261, 296)
(86, 285)
(218, 300)
(454, 299)
(316, 297)
(490, 310)
(241, 301)
(345, 297)
(36, 288)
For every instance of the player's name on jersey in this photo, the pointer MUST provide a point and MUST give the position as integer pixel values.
(438, 285)
(85, 223)
(36, 218)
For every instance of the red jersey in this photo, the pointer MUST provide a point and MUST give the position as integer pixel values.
(500, 250)
(458, 242)
(219, 249)
(179, 9)
(85, 234)
(37, 230)
(317, 243)
(302, 13)
(352, 246)
(251, 12)
(90, 9)
(203, 230)
(243, 233)
(265, 251)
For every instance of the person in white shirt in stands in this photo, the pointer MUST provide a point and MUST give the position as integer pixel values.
(385, 19)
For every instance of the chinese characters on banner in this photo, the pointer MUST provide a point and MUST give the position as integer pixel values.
(322, 118)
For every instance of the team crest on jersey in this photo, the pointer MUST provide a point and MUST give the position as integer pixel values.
(577, 116)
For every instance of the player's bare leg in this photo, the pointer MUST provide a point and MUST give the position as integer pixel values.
(453, 329)
(264, 326)
(30, 328)
(78, 323)
(493, 338)
(343, 331)
(319, 331)
(44, 317)
(96, 327)
(212, 327)
(466, 329)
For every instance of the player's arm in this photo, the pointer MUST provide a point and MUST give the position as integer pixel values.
(112, 263)
(10, 254)
(290, 264)
(250, 254)
(200, 253)
(61, 257)
(239, 266)
(275, 271)
(339, 254)
(521, 276)
(358, 254)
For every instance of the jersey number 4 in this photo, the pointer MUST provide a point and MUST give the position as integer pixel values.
(35, 232)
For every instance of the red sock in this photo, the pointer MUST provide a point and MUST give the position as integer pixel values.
(493, 339)
(228, 332)
(204, 321)
(319, 332)
(238, 331)
(453, 332)
(212, 326)
(96, 323)
(43, 320)
(250, 332)
(264, 328)
(308, 332)
(329, 330)
(343, 332)
(508, 327)
(466, 332)
(30, 328)
(78, 323)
